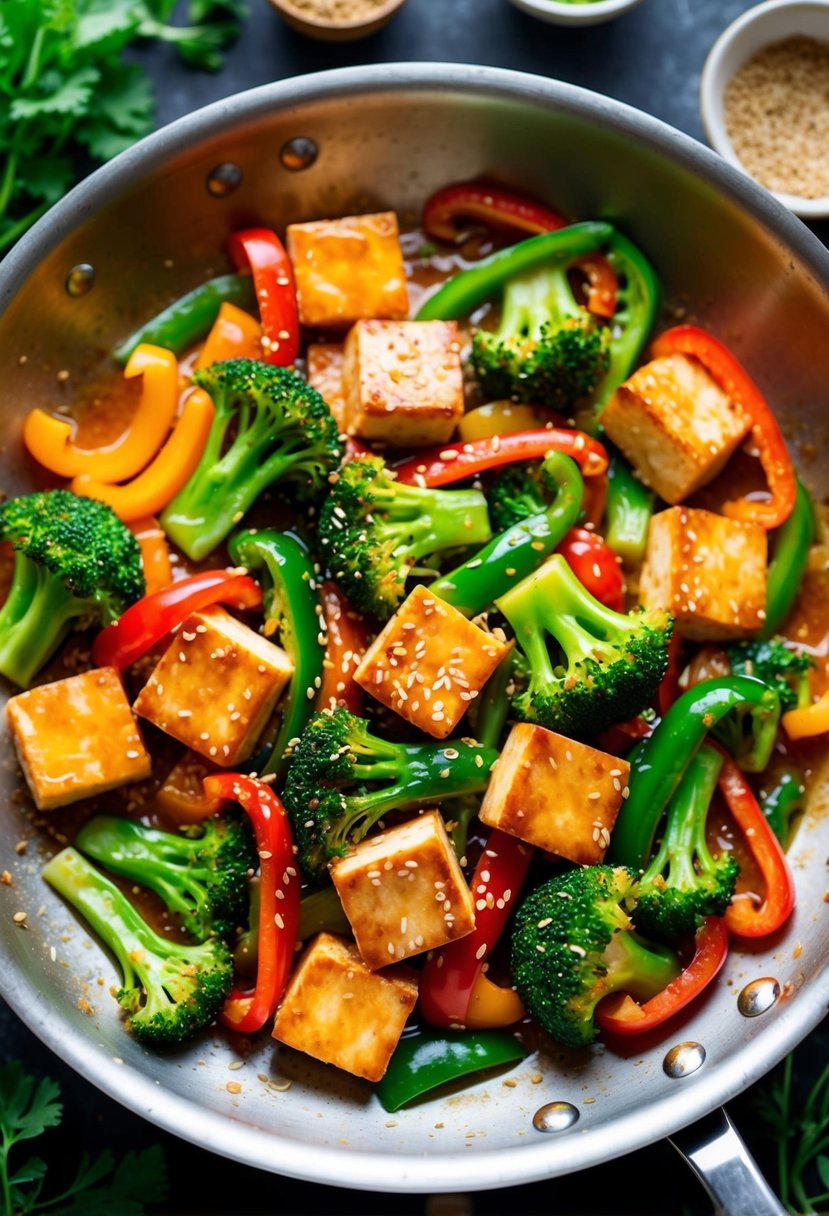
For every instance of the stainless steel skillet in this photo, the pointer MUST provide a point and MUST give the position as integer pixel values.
(152, 224)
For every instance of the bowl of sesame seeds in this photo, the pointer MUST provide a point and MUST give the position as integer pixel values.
(764, 99)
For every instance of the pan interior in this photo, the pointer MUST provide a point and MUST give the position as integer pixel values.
(151, 225)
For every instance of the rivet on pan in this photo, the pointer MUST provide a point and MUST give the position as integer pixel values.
(758, 996)
(555, 1117)
(80, 280)
(224, 179)
(298, 153)
(684, 1059)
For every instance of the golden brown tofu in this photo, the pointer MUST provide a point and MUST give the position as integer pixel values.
(402, 381)
(77, 738)
(556, 794)
(348, 268)
(709, 571)
(325, 374)
(338, 1011)
(215, 686)
(404, 892)
(675, 425)
(429, 663)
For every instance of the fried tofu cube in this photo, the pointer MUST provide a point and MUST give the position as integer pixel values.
(77, 738)
(675, 425)
(325, 374)
(348, 268)
(402, 381)
(556, 794)
(709, 571)
(338, 1011)
(429, 663)
(215, 686)
(404, 892)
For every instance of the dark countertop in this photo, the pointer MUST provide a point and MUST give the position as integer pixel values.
(651, 59)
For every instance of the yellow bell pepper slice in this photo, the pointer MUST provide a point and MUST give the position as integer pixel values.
(804, 723)
(150, 491)
(52, 440)
(501, 418)
(490, 1005)
(235, 335)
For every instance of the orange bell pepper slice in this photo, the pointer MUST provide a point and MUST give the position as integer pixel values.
(235, 335)
(52, 440)
(150, 491)
(155, 553)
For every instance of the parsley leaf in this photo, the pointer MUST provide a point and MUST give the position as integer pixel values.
(66, 94)
(100, 1187)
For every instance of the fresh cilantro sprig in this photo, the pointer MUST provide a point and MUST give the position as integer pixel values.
(100, 1187)
(66, 93)
(801, 1136)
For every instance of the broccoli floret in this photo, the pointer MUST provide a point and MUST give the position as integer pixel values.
(547, 348)
(605, 665)
(201, 875)
(514, 496)
(343, 778)
(283, 433)
(573, 944)
(170, 990)
(76, 565)
(683, 882)
(376, 533)
(776, 664)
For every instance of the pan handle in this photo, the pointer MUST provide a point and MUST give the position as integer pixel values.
(718, 1156)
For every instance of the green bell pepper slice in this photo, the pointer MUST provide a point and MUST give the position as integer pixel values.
(628, 512)
(191, 317)
(520, 550)
(292, 608)
(790, 545)
(423, 1062)
(658, 764)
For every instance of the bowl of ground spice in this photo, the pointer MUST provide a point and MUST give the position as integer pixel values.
(337, 20)
(764, 98)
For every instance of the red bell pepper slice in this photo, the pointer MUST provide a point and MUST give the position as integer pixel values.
(261, 251)
(738, 385)
(744, 917)
(620, 1015)
(279, 890)
(347, 641)
(595, 566)
(602, 284)
(457, 461)
(496, 208)
(151, 618)
(449, 975)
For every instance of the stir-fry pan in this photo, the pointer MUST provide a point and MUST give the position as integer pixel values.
(153, 224)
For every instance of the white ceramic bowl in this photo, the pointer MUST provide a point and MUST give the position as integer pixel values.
(755, 29)
(557, 13)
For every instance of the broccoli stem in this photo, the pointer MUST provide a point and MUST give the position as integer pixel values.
(148, 856)
(581, 621)
(429, 521)
(636, 967)
(111, 915)
(536, 298)
(421, 773)
(684, 842)
(34, 620)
